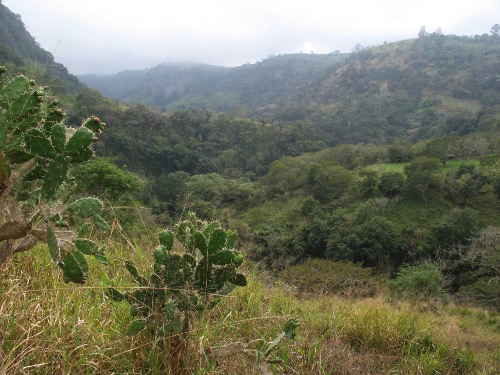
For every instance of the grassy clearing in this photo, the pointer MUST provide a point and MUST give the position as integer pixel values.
(387, 167)
(47, 327)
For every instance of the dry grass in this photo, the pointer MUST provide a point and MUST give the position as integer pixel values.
(48, 327)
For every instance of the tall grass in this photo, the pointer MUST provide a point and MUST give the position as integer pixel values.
(48, 327)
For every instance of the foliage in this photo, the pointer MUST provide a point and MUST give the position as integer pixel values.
(375, 242)
(418, 283)
(473, 268)
(337, 336)
(328, 181)
(185, 283)
(421, 175)
(484, 291)
(101, 177)
(368, 183)
(325, 277)
(457, 226)
(391, 184)
(444, 148)
(37, 151)
(464, 184)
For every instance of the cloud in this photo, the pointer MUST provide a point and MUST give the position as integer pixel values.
(108, 36)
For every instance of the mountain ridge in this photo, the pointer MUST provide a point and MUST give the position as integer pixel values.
(21, 53)
(171, 86)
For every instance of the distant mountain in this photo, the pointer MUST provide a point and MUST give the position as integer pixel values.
(20, 52)
(424, 87)
(189, 85)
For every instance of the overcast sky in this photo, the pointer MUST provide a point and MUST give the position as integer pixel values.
(107, 36)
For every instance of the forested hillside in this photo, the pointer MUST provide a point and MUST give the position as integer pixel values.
(247, 88)
(20, 52)
(417, 105)
(432, 86)
(363, 192)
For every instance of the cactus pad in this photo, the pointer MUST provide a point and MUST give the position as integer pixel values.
(217, 241)
(56, 173)
(80, 140)
(94, 124)
(166, 239)
(52, 242)
(100, 223)
(12, 89)
(75, 268)
(58, 137)
(85, 207)
(86, 246)
(38, 144)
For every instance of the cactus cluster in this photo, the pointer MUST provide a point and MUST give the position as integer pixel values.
(38, 151)
(190, 281)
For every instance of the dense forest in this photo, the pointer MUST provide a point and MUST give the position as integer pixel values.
(388, 157)
(383, 164)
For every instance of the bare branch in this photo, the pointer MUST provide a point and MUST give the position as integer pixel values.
(27, 243)
(13, 230)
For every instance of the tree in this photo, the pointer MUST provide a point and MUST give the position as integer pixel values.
(476, 267)
(465, 183)
(495, 31)
(422, 33)
(375, 243)
(101, 177)
(400, 151)
(328, 181)
(443, 148)
(285, 175)
(421, 175)
(37, 150)
(456, 227)
(391, 184)
(88, 99)
(369, 182)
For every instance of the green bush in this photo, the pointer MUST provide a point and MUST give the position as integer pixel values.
(320, 276)
(421, 282)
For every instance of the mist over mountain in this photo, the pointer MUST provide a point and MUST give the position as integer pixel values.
(415, 89)
(173, 86)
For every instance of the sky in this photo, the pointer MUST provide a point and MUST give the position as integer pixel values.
(108, 36)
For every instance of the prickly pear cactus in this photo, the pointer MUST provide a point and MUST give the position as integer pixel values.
(37, 151)
(183, 282)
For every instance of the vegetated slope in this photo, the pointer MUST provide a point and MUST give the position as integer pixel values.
(20, 52)
(420, 88)
(173, 86)
(416, 89)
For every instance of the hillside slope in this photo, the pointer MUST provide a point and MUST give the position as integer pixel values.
(192, 85)
(20, 52)
(416, 89)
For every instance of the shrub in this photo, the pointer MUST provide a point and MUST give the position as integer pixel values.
(320, 276)
(421, 282)
(485, 291)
